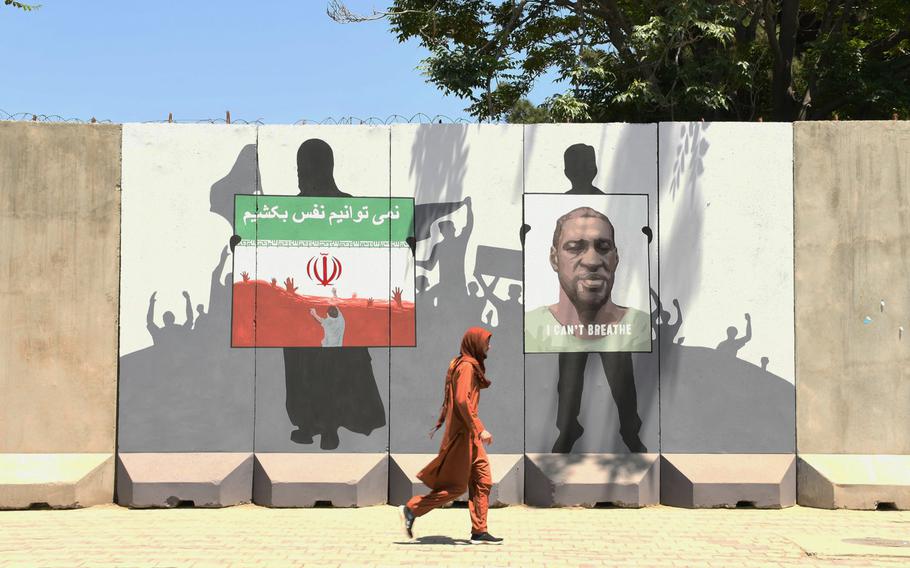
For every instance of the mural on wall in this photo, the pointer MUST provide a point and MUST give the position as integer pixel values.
(182, 387)
(466, 180)
(332, 288)
(609, 202)
(586, 273)
(307, 267)
(726, 288)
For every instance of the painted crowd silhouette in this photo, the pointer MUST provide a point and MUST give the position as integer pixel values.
(327, 389)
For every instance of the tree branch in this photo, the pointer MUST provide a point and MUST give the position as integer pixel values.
(878, 48)
(508, 28)
(770, 25)
(338, 11)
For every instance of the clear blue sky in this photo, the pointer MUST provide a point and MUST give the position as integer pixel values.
(278, 61)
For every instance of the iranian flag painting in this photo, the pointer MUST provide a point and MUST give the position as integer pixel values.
(323, 272)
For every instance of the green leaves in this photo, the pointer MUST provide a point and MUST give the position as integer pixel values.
(649, 60)
(22, 6)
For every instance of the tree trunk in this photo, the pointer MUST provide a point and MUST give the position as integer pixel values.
(785, 107)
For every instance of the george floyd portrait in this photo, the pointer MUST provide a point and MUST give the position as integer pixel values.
(586, 273)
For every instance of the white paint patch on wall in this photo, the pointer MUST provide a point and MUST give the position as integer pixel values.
(175, 181)
(726, 230)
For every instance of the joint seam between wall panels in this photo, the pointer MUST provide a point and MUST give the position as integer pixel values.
(657, 231)
(256, 190)
(119, 307)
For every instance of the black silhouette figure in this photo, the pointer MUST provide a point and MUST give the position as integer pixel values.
(328, 388)
(764, 363)
(170, 330)
(731, 345)
(581, 169)
(449, 253)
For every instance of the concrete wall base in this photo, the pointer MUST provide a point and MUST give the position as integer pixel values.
(852, 481)
(58, 481)
(508, 478)
(764, 481)
(184, 479)
(589, 480)
(310, 480)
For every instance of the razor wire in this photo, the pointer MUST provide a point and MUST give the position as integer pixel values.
(419, 118)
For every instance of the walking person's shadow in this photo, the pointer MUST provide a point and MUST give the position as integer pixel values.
(436, 540)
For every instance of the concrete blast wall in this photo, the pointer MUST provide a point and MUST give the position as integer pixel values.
(60, 220)
(726, 284)
(852, 242)
(182, 387)
(705, 402)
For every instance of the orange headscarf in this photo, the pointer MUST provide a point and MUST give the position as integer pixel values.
(473, 351)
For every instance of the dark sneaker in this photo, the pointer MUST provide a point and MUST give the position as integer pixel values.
(407, 520)
(484, 538)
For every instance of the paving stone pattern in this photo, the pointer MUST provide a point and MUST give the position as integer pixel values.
(255, 536)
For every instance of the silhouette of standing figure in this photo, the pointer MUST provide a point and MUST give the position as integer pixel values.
(731, 345)
(581, 169)
(328, 388)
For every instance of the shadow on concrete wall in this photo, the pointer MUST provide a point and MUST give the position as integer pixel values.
(445, 232)
(190, 391)
(680, 249)
(713, 402)
(710, 401)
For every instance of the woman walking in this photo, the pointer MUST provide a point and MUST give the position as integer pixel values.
(462, 463)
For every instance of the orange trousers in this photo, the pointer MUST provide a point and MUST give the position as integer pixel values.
(478, 489)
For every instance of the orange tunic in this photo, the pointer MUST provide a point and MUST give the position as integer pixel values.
(462, 463)
(452, 467)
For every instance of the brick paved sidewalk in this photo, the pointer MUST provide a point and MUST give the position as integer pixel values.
(254, 536)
